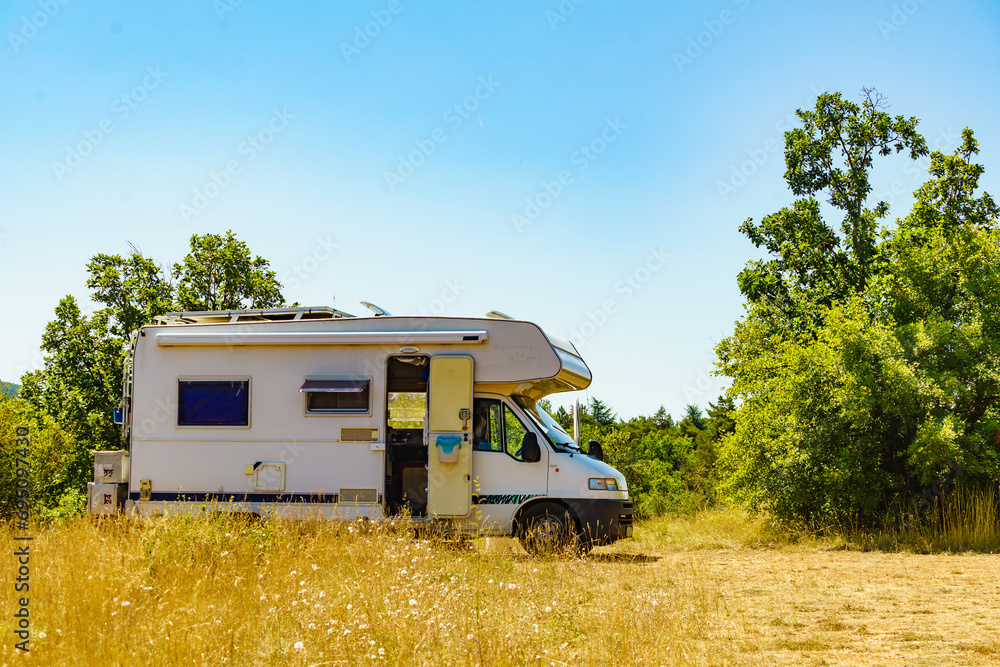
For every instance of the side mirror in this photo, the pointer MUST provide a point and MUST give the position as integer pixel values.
(530, 451)
(594, 449)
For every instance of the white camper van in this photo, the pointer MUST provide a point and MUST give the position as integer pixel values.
(303, 412)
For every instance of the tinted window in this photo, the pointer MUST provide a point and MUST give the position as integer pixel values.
(336, 395)
(213, 403)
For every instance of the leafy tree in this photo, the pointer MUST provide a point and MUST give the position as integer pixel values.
(81, 378)
(220, 274)
(8, 389)
(133, 290)
(54, 457)
(813, 266)
(892, 386)
(944, 299)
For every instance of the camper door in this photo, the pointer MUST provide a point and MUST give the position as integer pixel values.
(449, 451)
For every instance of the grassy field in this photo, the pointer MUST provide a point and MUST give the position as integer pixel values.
(716, 589)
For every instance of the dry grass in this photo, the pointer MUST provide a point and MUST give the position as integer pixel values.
(968, 519)
(717, 589)
(223, 591)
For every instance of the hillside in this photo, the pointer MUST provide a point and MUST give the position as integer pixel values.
(8, 388)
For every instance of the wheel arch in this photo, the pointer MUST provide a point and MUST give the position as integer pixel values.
(516, 524)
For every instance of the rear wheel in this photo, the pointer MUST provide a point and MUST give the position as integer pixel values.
(548, 529)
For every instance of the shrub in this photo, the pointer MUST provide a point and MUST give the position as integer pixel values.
(58, 466)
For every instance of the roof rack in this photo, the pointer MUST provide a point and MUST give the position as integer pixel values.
(253, 315)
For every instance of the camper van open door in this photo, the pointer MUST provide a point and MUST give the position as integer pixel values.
(449, 451)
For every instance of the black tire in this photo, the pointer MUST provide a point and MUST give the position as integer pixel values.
(547, 529)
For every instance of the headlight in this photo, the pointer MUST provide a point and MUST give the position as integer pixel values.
(603, 484)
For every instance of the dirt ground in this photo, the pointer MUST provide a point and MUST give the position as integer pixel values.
(827, 607)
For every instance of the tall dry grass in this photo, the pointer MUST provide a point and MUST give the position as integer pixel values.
(966, 519)
(221, 590)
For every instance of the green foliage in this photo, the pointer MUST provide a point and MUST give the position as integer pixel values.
(811, 265)
(81, 377)
(823, 421)
(58, 465)
(133, 290)
(866, 371)
(669, 466)
(564, 418)
(9, 389)
(600, 413)
(220, 274)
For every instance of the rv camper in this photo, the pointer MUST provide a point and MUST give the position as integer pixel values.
(303, 412)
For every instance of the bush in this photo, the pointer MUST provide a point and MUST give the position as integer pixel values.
(58, 466)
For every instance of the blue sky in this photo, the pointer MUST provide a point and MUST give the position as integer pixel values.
(581, 164)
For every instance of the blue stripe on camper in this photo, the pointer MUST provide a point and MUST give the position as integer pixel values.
(238, 497)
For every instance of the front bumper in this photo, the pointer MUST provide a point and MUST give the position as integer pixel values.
(603, 521)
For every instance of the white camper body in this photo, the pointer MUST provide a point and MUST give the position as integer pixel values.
(311, 412)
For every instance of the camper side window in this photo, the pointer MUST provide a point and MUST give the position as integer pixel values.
(213, 402)
(333, 396)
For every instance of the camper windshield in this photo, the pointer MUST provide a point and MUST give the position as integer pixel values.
(561, 441)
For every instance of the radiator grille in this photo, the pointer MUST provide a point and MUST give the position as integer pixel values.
(359, 434)
(358, 496)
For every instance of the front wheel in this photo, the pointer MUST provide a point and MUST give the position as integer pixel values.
(548, 529)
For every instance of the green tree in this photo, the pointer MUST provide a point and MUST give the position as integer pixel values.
(53, 459)
(220, 274)
(600, 413)
(693, 418)
(133, 290)
(662, 419)
(564, 419)
(812, 265)
(893, 388)
(81, 378)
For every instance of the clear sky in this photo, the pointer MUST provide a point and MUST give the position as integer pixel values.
(582, 164)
